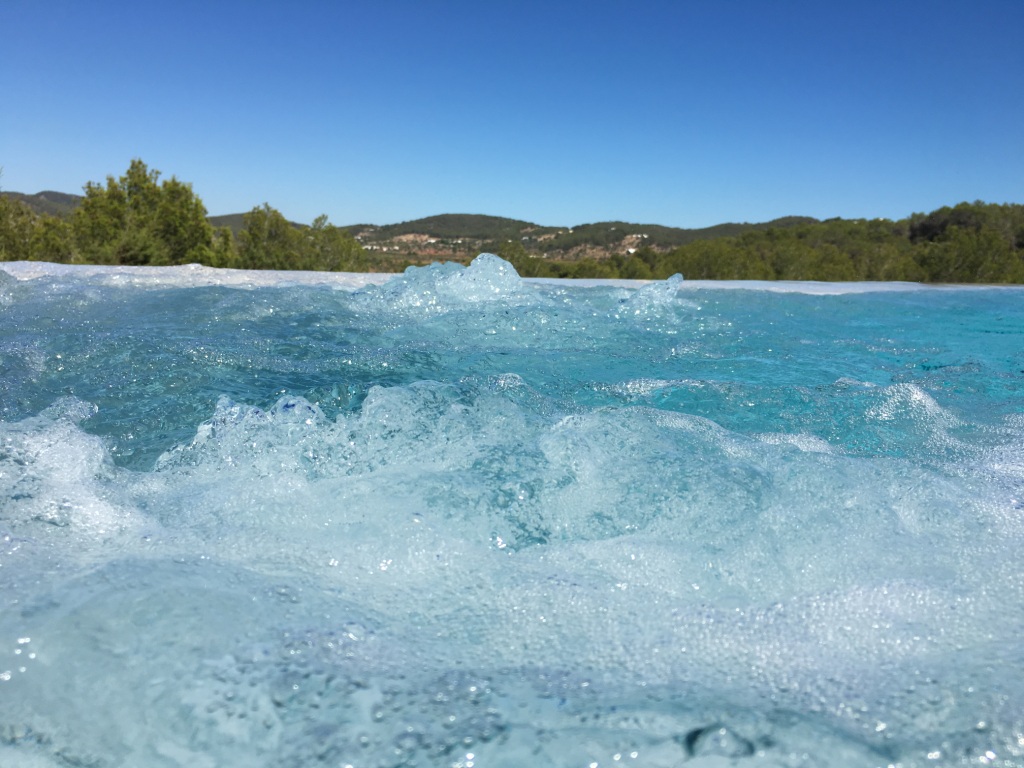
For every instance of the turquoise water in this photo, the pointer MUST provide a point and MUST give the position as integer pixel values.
(463, 519)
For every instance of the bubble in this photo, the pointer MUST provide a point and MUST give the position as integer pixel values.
(468, 518)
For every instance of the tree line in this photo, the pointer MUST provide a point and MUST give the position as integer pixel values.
(137, 219)
(967, 243)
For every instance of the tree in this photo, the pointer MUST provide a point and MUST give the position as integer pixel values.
(52, 241)
(16, 224)
(326, 247)
(180, 223)
(967, 256)
(268, 240)
(631, 267)
(135, 220)
(527, 265)
(223, 253)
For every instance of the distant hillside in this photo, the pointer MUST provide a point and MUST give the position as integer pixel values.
(975, 242)
(461, 235)
(62, 204)
(619, 233)
(451, 225)
(454, 235)
(234, 221)
(496, 228)
(48, 203)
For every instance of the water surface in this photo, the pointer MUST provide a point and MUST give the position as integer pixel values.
(459, 518)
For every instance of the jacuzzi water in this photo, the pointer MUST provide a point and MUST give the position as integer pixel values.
(464, 519)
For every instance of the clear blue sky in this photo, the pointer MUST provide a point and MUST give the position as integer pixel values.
(560, 113)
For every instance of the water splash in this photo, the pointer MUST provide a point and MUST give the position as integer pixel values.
(466, 518)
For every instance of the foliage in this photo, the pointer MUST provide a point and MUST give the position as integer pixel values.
(269, 241)
(326, 247)
(136, 219)
(610, 233)
(973, 242)
(563, 243)
(52, 241)
(454, 226)
(16, 226)
(49, 203)
(224, 252)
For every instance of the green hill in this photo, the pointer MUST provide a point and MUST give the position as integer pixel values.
(62, 204)
(476, 229)
(609, 234)
(425, 236)
(968, 242)
(233, 221)
(47, 203)
(452, 225)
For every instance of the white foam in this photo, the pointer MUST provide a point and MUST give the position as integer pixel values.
(192, 275)
(485, 564)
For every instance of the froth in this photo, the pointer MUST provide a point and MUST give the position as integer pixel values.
(465, 518)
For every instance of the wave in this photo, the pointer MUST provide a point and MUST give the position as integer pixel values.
(460, 518)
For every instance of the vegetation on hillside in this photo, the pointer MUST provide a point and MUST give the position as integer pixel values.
(452, 234)
(138, 220)
(967, 243)
(48, 202)
(467, 226)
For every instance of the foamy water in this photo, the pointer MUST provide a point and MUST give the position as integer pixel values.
(457, 518)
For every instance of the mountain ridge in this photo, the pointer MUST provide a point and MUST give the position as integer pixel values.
(456, 235)
(975, 242)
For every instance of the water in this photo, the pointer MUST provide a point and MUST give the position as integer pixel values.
(462, 519)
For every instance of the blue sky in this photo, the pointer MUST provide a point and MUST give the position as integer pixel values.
(679, 113)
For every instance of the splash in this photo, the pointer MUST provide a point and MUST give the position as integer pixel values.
(462, 518)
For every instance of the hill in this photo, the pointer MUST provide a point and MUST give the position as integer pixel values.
(451, 225)
(969, 242)
(233, 221)
(455, 235)
(458, 235)
(47, 203)
(61, 204)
